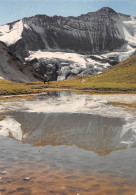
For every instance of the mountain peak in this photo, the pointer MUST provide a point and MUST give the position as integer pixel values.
(106, 10)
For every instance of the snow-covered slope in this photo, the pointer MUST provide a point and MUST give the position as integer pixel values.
(10, 34)
(129, 28)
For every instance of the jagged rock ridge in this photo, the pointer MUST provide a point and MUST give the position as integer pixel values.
(92, 32)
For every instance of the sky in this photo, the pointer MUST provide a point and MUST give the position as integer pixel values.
(12, 10)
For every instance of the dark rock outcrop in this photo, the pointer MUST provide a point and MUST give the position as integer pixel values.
(12, 69)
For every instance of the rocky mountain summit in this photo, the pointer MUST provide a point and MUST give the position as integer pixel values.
(104, 33)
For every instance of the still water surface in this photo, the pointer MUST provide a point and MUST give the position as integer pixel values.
(66, 143)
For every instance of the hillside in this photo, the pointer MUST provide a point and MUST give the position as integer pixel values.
(121, 77)
(124, 72)
(12, 69)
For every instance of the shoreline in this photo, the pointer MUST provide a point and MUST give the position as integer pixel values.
(44, 90)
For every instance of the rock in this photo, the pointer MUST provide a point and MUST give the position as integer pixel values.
(2, 190)
(3, 172)
(20, 189)
(12, 69)
(27, 178)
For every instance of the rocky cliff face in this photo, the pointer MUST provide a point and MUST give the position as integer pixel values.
(94, 33)
(12, 69)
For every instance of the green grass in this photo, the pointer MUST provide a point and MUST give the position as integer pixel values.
(11, 88)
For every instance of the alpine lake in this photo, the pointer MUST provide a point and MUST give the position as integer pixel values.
(65, 143)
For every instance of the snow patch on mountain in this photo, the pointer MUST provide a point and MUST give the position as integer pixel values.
(11, 34)
(121, 55)
(73, 57)
(129, 28)
(26, 26)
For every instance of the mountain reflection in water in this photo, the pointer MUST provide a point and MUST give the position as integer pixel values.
(90, 132)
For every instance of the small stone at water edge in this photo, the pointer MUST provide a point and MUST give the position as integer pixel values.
(27, 178)
(4, 172)
(1, 180)
(20, 189)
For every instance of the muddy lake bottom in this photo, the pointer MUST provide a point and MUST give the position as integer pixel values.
(67, 144)
(45, 180)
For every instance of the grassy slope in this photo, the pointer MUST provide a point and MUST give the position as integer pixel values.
(121, 77)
